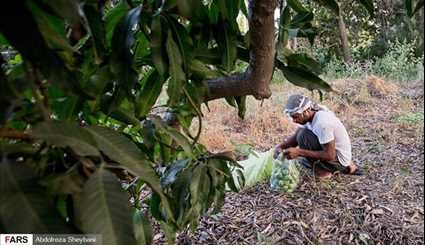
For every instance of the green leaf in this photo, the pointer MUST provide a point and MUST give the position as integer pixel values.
(178, 76)
(171, 173)
(69, 10)
(231, 101)
(3, 40)
(201, 71)
(96, 28)
(70, 182)
(121, 150)
(304, 61)
(52, 29)
(22, 198)
(368, 4)
(102, 208)
(227, 44)
(62, 134)
(188, 8)
(157, 40)
(37, 51)
(142, 228)
(213, 13)
(285, 21)
(199, 189)
(301, 19)
(113, 17)
(297, 6)
(418, 7)
(149, 93)
(122, 43)
(142, 51)
(303, 78)
(180, 139)
(241, 101)
(330, 4)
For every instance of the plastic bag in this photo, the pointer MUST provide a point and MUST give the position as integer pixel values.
(256, 168)
(285, 175)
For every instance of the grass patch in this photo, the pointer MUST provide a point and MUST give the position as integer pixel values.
(411, 118)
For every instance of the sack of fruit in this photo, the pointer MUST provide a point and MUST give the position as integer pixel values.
(285, 175)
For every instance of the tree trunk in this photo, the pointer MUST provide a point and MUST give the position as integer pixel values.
(256, 79)
(344, 39)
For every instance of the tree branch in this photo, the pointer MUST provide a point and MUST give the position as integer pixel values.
(256, 79)
(14, 134)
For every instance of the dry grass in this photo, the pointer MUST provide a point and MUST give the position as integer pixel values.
(263, 126)
(383, 207)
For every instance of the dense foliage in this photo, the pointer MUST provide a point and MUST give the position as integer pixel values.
(82, 111)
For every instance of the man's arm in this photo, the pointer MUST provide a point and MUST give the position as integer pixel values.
(289, 142)
(327, 154)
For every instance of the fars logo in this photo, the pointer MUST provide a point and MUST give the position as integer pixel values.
(16, 239)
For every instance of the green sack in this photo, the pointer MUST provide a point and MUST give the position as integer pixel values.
(285, 175)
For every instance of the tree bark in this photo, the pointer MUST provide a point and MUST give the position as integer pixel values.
(256, 79)
(344, 39)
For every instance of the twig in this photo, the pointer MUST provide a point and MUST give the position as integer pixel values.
(32, 78)
(14, 134)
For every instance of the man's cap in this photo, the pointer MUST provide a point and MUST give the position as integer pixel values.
(297, 103)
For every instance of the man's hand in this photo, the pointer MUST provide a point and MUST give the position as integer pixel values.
(277, 151)
(291, 153)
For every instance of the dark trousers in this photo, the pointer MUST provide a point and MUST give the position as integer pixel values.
(307, 140)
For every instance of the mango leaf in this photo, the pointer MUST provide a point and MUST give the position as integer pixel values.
(368, 4)
(199, 191)
(213, 13)
(284, 22)
(3, 40)
(301, 19)
(330, 4)
(142, 228)
(157, 40)
(230, 11)
(142, 51)
(227, 44)
(122, 42)
(101, 208)
(303, 78)
(149, 93)
(241, 102)
(70, 182)
(113, 17)
(297, 6)
(96, 28)
(37, 51)
(418, 7)
(122, 150)
(171, 173)
(188, 8)
(62, 134)
(178, 76)
(69, 10)
(201, 71)
(179, 138)
(22, 198)
(231, 101)
(304, 61)
(52, 29)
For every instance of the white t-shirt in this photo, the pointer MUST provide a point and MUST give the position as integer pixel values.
(327, 127)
